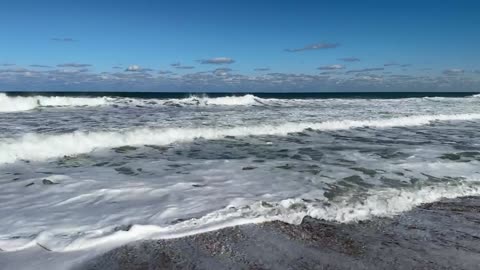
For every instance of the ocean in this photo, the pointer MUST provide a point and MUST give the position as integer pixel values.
(82, 173)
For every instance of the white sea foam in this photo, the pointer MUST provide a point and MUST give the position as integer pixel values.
(40, 147)
(84, 243)
(385, 202)
(18, 103)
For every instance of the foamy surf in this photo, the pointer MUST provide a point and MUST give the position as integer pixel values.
(40, 147)
(379, 203)
(385, 202)
(160, 167)
(26, 103)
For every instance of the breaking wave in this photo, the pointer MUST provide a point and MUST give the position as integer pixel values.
(40, 147)
(16, 104)
(226, 101)
(26, 103)
(384, 202)
(246, 100)
(252, 100)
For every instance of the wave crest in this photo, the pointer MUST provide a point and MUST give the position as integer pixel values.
(40, 147)
(16, 104)
(245, 100)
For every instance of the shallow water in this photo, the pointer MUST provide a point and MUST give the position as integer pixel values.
(79, 173)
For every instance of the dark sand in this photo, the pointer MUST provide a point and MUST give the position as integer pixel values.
(442, 235)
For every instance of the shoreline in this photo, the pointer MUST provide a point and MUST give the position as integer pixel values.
(439, 235)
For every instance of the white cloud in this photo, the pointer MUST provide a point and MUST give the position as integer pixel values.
(332, 67)
(133, 68)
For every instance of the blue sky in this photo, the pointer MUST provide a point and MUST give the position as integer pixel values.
(240, 45)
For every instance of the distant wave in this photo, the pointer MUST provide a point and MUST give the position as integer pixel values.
(226, 101)
(252, 100)
(19, 103)
(245, 100)
(40, 147)
(26, 103)
(448, 98)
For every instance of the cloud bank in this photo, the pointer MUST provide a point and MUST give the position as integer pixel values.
(224, 79)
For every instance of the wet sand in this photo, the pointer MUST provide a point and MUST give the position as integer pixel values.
(441, 235)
